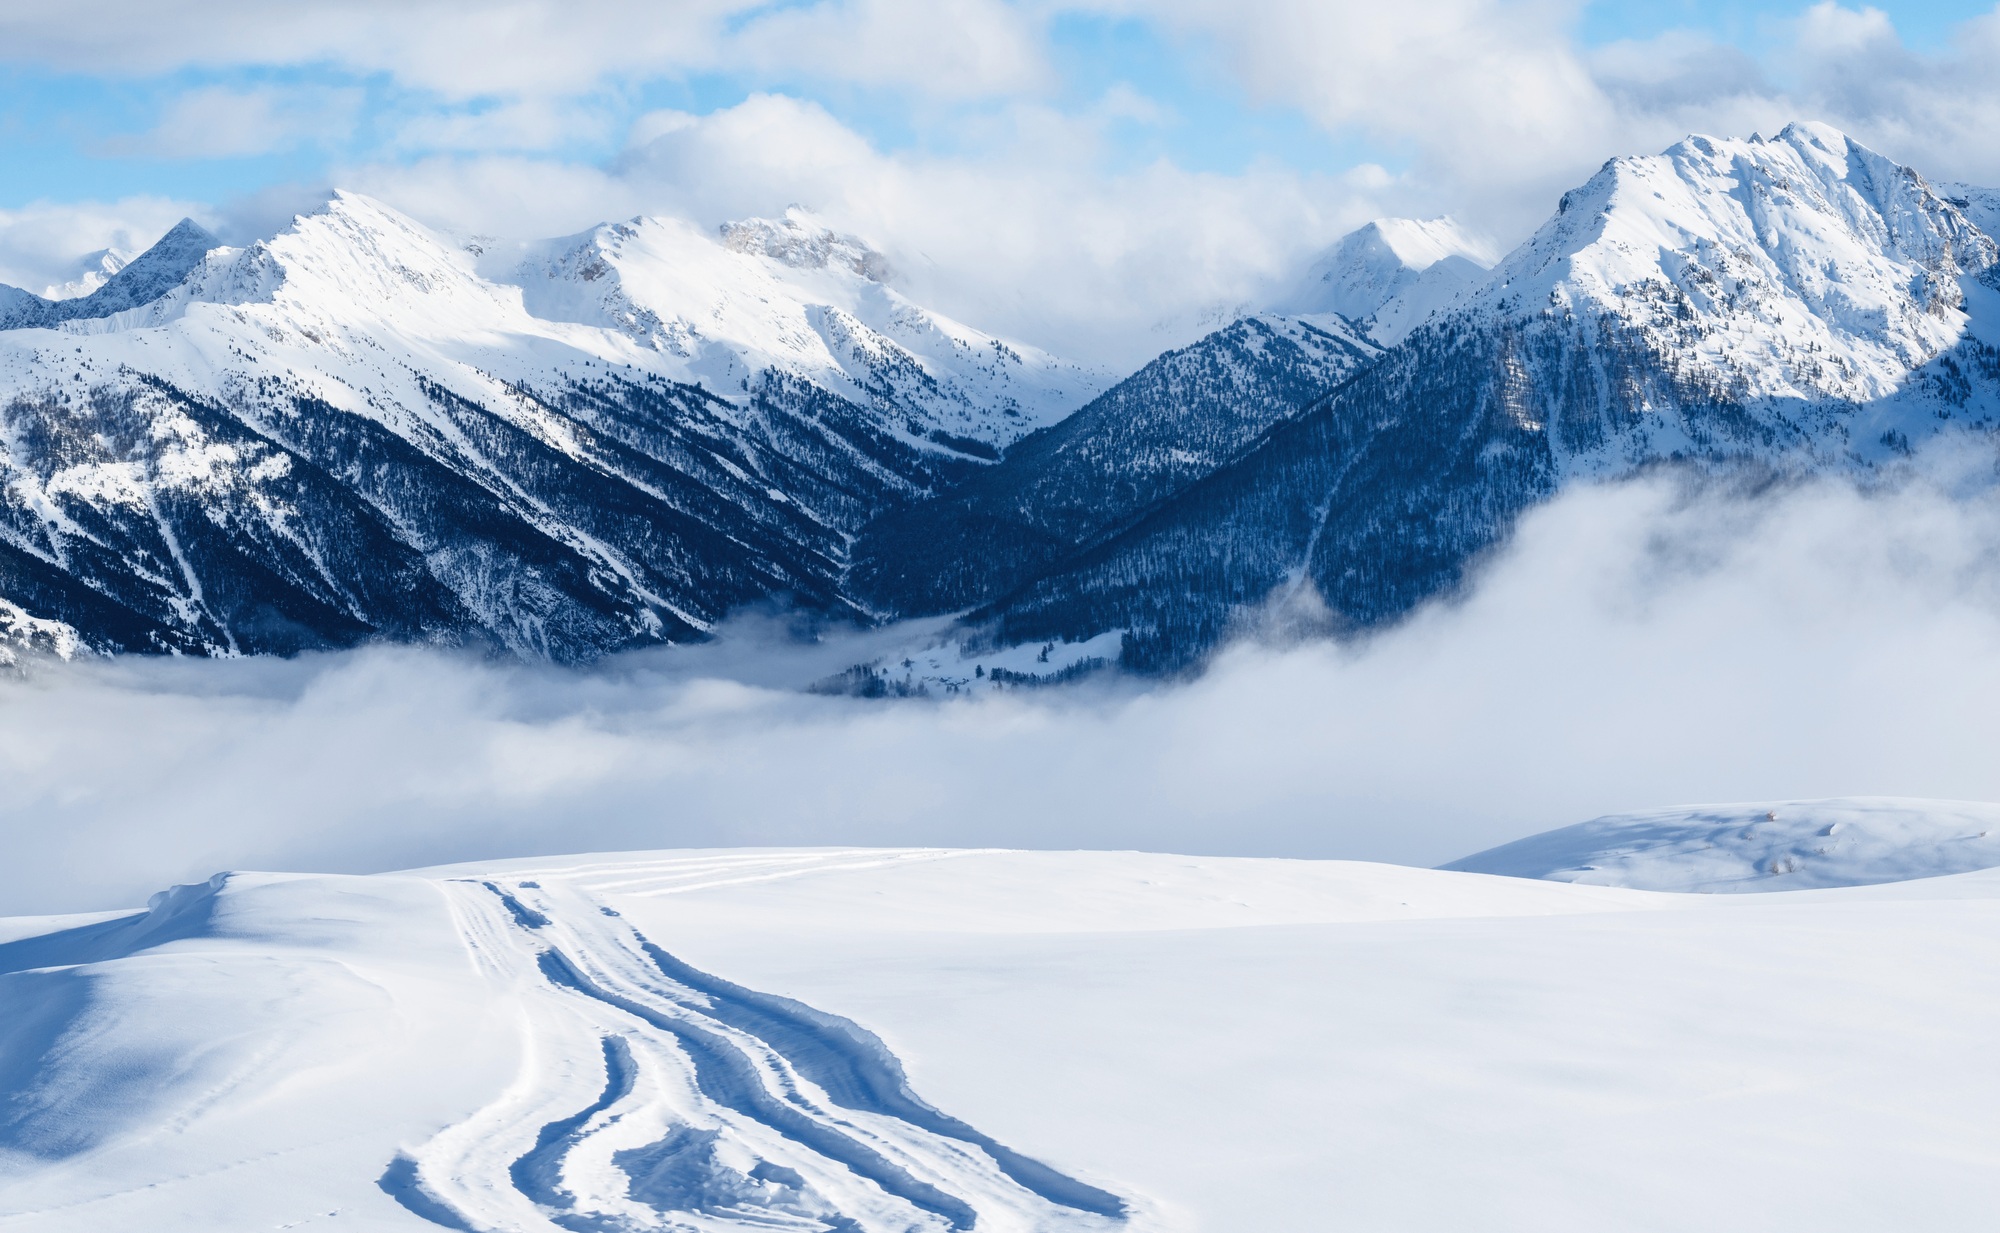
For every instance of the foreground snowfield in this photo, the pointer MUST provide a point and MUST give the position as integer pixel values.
(1091, 1041)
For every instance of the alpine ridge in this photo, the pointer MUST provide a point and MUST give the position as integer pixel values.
(1089, 477)
(357, 429)
(344, 432)
(1791, 305)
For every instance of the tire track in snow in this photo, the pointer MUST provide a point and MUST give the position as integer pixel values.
(707, 1106)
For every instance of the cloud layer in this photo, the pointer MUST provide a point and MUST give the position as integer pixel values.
(1635, 647)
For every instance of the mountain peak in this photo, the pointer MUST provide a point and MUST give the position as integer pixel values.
(1811, 244)
(1391, 274)
(802, 241)
(1420, 243)
(1816, 133)
(142, 280)
(88, 273)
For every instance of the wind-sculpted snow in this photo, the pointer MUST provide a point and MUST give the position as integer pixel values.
(644, 1093)
(1764, 846)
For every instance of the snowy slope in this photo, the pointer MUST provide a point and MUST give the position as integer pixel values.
(929, 1040)
(791, 296)
(1392, 275)
(1765, 846)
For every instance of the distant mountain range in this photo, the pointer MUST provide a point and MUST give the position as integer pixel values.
(345, 432)
(1797, 304)
(357, 429)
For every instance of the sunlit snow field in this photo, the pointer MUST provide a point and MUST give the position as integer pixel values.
(1216, 1043)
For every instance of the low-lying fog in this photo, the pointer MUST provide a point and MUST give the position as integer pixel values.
(1634, 647)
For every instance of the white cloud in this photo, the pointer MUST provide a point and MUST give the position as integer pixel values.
(512, 125)
(471, 48)
(1026, 235)
(460, 48)
(1634, 648)
(510, 196)
(221, 122)
(941, 48)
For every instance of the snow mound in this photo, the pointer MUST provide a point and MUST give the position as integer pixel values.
(1766, 846)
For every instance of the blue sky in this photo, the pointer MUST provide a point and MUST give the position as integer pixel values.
(68, 133)
(1035, 165)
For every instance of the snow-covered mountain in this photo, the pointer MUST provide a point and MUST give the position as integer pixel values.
(345, 432)
(358, 429)
(792, 297)
(1805, 279)
(926, 1040)
(1797, 303)
(89, 272)
(1981, 205)
(1761, 846)
(1392, 275)
(1074, 484)
(151, 275)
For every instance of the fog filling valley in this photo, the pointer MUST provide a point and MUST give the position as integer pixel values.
(1634, 646)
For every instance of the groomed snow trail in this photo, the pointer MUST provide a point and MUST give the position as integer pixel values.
(652, 1096)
